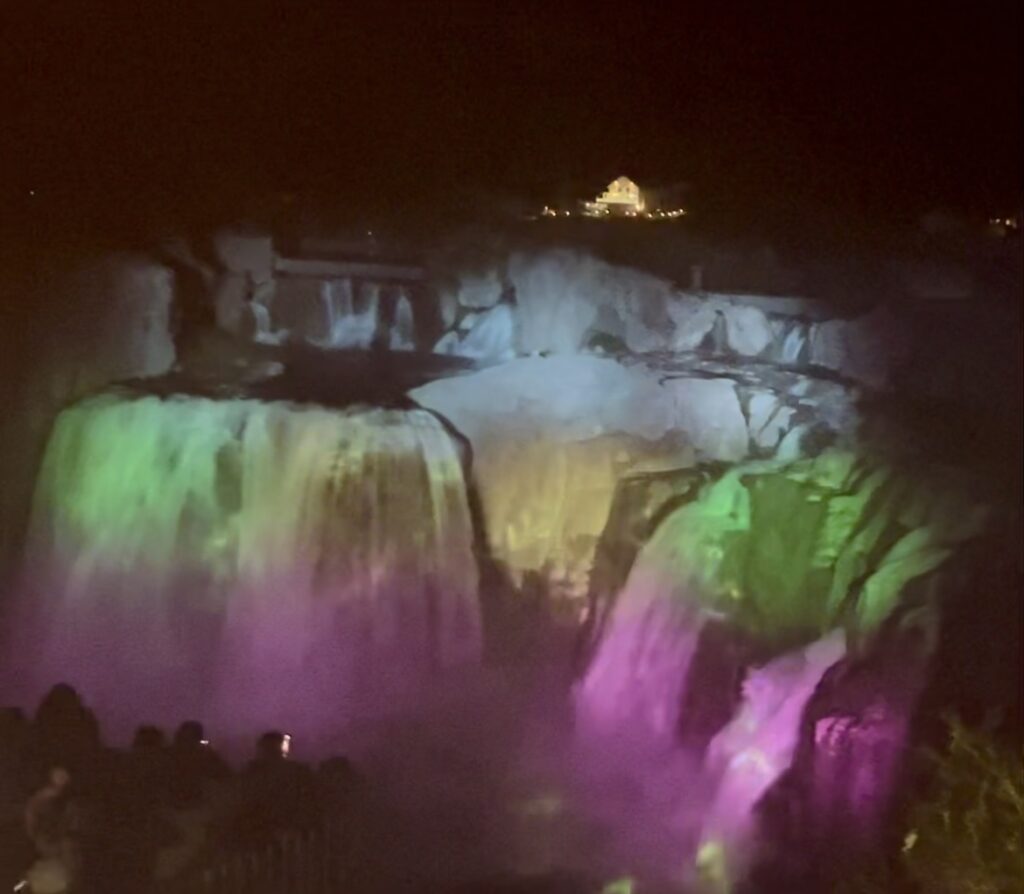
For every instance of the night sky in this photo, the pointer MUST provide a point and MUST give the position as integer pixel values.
(848, 109)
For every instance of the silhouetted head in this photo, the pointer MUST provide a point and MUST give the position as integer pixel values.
(338, 771)
(148, 738)
(190, 735)
(62, 699)
(273, 746)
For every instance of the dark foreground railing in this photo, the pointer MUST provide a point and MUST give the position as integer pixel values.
(322, 860)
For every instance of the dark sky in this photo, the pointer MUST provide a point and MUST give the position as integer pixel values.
(845, 106)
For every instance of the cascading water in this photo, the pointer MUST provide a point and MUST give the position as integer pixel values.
(793, 345)
(348, 325)
(634, 686)
(264, 329)
(750, 754)
(628, 710)
(259, 563)
(628, 703)
(355, 317)
(403, 328)
(754, 555)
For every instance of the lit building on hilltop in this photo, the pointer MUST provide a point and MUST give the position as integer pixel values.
(622, 197)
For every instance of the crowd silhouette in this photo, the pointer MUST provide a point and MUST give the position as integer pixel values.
(82, 817)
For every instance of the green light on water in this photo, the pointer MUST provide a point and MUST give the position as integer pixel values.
(795, 548)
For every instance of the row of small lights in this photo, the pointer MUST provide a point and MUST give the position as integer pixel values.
(651, 215)
(678, 212)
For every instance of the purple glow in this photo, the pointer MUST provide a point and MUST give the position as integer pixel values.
(246, 561)
(634, 686)
(855, 764)
(757, 747)
(628, 716)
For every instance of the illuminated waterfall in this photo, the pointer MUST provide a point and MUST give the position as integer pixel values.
(355, 316)
(775, 554)
(265, 562)
(348, 326)
(634, 686)
(403, 328)
(750, 754)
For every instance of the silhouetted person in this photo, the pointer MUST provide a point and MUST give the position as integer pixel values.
(51, 825)
(147, 768)
(340, 783)
(194, 765)
(148, 739)
(43, 813)
(189, 735)
(135, 827)
(279, 792)
(64, 732)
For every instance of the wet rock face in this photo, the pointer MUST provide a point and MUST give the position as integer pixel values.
(117, 324)
(250, 255)
(768, 419)
(489, 336)
(231, 305)
(709, 411)
(566, 302)
(748, 331)
(781, 549)
(641, 502)
(713, 688)
(560, 298)
(551, 437)
(116, 321)
(554, 437)
(692, 322)
(868, 349)
(135, 340)
(835, 803)
(478, 291)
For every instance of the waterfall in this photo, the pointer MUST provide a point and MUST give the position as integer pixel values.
(489, 335)
(403, 329)
(794, 343)
(264, 562)
(630, 703)
(634, 686)
(265, 332)
(348, 325)
(750, 754)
